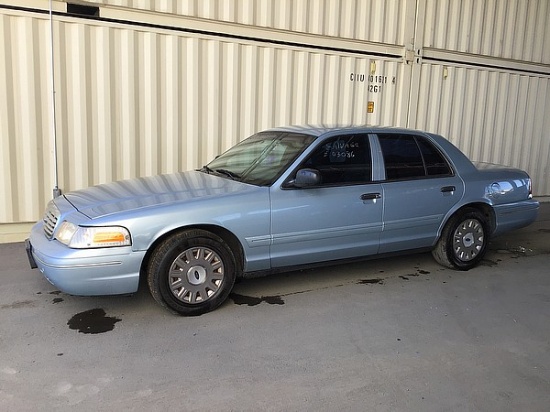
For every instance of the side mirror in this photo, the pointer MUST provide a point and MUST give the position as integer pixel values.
(307, 178)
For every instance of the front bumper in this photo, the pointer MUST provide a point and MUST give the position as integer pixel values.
(28, 248)
(84, 272)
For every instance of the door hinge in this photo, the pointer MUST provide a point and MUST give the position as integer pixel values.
(412, 55)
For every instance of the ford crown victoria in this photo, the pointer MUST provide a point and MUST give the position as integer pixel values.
(283, 198)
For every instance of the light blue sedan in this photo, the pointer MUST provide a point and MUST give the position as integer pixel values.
(283, 198)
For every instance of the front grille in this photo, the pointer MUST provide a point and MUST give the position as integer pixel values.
(50, 219)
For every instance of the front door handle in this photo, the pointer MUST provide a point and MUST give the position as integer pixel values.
(446, 189)
(370, 196)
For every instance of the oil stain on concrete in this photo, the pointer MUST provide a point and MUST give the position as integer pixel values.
(253, 301)
(92, 321)
(375, 281)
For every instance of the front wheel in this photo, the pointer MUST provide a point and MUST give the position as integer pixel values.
(464, 240)
(191, 272)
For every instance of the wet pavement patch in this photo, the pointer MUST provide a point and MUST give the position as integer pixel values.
(253, 300)
(92, 321)
(375, 281)
(418, 272)
(488, 262)
(18, 304)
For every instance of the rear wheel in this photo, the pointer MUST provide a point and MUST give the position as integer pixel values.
(463, 242)
(191, 272)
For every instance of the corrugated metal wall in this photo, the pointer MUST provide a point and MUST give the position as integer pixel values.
(483, 80)
(505, 29)
(371, 20)
(156, 87)
(141, 101)
(494, 116)
(26, 168)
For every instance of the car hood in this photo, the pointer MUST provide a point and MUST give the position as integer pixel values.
(126, 195)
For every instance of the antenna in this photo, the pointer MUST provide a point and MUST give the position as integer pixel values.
(56, 190)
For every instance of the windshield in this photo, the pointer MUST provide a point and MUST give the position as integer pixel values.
(260, 159)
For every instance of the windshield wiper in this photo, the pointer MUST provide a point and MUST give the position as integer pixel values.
(206, 169)
(228, 173)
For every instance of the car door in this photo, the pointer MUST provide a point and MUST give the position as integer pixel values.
(419, 189)
(341, 217)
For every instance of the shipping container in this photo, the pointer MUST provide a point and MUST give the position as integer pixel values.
(155, 87)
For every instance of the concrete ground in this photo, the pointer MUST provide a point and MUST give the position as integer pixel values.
(399, 334)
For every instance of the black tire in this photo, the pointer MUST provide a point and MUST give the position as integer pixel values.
(191, 272)
(464, 240)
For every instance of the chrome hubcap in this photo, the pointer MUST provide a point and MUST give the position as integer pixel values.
(468, 240)
(196, 275)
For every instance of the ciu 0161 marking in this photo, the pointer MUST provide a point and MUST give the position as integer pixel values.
(376, 82)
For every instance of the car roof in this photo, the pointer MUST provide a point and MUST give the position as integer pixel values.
(319, 130)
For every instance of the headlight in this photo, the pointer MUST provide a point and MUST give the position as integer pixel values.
(80, 237)
(65, 232)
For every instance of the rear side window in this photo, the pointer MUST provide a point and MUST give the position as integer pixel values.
(409, 157)
(436, 165)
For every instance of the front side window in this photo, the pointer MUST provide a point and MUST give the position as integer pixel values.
(342, 160)
(409, 157)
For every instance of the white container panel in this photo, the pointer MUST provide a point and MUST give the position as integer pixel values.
(495, 117)
(141, 102)
(369, 20)
(135, 101)
(506, 29)
(24, 121)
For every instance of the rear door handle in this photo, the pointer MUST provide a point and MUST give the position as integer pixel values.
(446, 189)
(370, 196)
